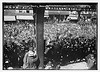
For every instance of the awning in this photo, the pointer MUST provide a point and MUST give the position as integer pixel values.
(9, 18)
(25, 17)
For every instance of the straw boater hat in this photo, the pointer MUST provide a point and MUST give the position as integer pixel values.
(31, 53)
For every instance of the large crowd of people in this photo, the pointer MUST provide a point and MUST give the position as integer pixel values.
(69, 50)
(18, 37)
(69, 43)
(66, 42)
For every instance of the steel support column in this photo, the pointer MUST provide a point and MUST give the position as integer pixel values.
(39, 21)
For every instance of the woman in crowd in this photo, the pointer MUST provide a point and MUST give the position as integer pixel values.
(30, 59)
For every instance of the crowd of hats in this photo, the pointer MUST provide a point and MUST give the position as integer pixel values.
(18, 37)
(19, 32)
(65, 29)
(74, 44)
(71, 50)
